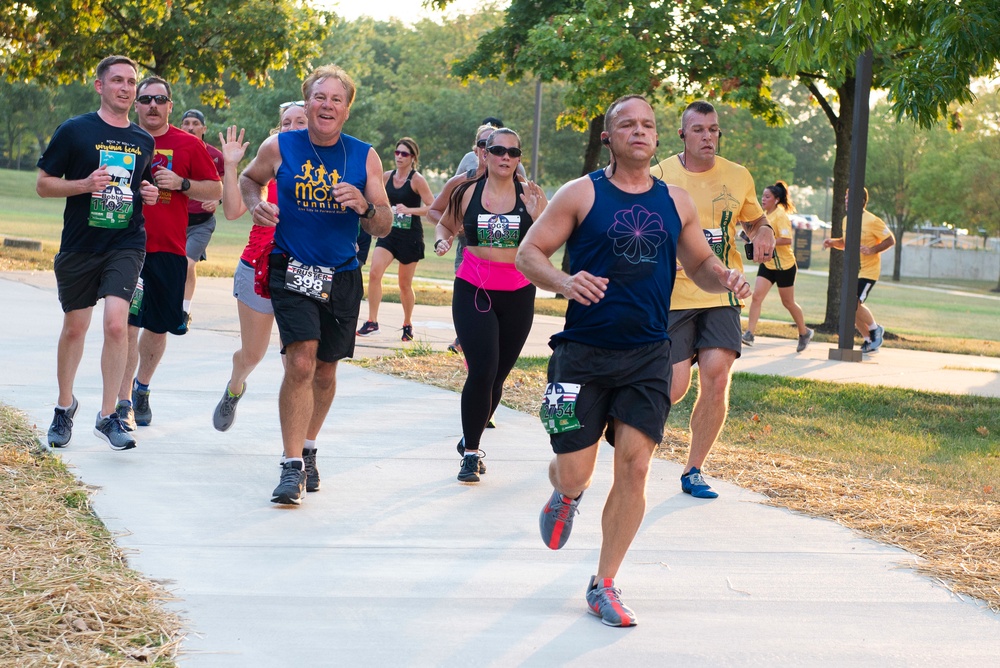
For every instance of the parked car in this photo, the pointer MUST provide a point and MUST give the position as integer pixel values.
(808, 221)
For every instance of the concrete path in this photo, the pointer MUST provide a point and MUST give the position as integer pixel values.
(394, 562)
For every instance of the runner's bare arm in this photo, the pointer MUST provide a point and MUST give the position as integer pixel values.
(440, 203)
(47, 185)
(233, 150)
(254, 179)
(380, 224)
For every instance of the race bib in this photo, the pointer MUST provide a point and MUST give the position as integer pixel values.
(558, 412)
(312, 281)
(112, 207)
(716, 241)
(498, 231)
(402, 221)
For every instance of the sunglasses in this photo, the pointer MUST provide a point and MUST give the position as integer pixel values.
(146, 99)
(498, 151)
(286, 105)
(481, 143)
(403, 154)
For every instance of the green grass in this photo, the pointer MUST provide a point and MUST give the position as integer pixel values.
(902, 309)
(945, 440)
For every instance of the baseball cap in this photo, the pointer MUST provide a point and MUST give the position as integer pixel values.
(196, 114)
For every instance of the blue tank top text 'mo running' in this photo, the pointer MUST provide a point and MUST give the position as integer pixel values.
(312, 227)
(630, 239)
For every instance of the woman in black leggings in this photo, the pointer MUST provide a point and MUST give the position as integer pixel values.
(494, 303)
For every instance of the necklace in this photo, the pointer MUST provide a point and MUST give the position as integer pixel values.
(340, 175)
(680, 156)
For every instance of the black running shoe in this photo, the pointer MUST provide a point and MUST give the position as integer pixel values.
(368, 328)
(470, 469)
(312, 473)
(61, 429)
(112, 431)
(482, 454)
(291, 486)
(140, 405)
(125, 412)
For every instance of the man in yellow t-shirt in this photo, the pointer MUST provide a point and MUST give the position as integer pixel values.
(876, 238)
(705, 328)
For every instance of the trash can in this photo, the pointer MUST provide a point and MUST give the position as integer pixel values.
(803, 247)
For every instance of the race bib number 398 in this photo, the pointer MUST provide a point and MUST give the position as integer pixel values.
(312, 281)
(558, 412)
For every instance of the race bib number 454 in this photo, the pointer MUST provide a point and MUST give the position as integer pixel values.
(558, 412)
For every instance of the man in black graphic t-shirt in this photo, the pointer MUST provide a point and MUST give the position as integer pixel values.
(100, 162)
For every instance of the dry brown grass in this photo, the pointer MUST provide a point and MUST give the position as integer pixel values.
(67, 597)
(958, 541)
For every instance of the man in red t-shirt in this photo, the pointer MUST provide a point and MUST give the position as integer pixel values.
(201, 215)
(182, 170)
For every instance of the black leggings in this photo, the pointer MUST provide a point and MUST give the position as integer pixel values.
(492, 326)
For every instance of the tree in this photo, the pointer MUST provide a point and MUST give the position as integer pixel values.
(958, 179)
(926, 54)
(203, 41)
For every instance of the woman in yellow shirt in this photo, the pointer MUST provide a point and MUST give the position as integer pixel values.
(781, 268)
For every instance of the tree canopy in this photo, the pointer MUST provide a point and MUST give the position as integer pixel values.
(203, 41)
(927, 53)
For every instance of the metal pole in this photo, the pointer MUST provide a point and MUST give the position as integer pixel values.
(538, 130)
(852, 235)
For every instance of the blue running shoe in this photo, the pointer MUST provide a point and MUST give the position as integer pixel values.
(604, 599)
(877, 335)
(61, 430)
(291, 486)
(556, 520)
(694, 484)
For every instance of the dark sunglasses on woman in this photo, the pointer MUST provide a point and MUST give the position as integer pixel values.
(498, 151)
(403, 154)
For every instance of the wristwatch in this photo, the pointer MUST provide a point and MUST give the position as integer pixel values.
(185, 185)
(370, 212)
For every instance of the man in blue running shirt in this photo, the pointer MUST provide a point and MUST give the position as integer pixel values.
(609, 374)
(329, 183)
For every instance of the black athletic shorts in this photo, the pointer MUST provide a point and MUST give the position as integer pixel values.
(301, 318)
(783, 278)
(632, 386)
(865, 286)
(83, 278)
(162, 309)
(406, 248)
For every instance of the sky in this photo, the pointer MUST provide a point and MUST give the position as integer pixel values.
(409, 11)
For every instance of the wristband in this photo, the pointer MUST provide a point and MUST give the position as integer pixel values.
(436, 242)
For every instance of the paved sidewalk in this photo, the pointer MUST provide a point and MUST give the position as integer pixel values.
(394, 562)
